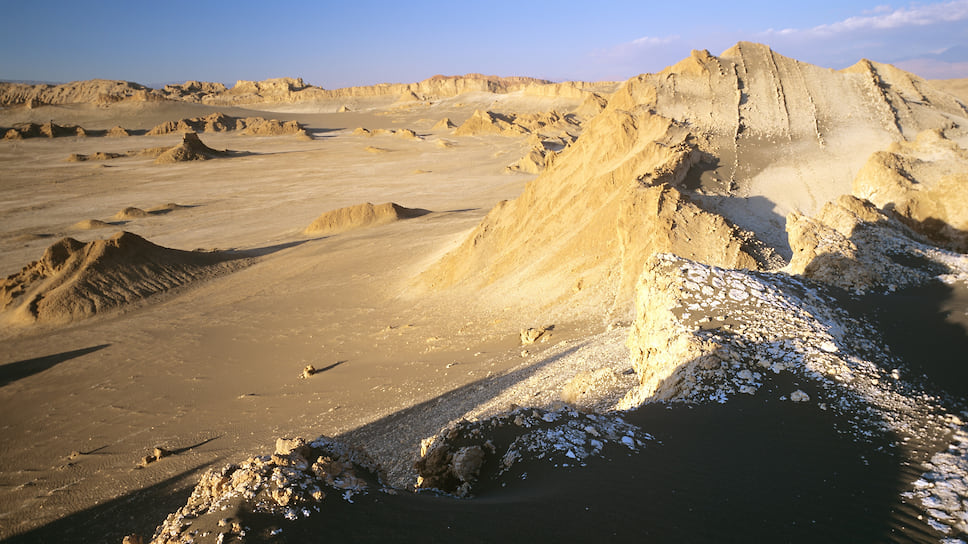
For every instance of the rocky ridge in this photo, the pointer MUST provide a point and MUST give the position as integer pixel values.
(219, 122)
(280, 90)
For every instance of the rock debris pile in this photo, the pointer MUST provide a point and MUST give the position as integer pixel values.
(467, 453)
(293, 482)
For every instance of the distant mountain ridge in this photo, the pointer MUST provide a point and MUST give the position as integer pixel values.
(284, 89)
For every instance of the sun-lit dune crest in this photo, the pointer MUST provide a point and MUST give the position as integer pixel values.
(75, 280)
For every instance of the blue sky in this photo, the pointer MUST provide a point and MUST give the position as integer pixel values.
(337, 44)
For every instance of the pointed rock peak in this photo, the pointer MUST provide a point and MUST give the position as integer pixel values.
(745, 48)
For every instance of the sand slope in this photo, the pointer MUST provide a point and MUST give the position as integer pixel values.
(74, 280)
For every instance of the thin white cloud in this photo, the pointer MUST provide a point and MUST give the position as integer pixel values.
(888, 19)
(653, 41)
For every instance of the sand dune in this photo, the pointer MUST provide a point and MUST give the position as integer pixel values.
(74, 280)
(359, 216)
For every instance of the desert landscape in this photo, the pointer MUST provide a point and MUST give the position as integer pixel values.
(726, 301)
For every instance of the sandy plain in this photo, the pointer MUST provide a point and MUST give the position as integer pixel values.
(215, 368)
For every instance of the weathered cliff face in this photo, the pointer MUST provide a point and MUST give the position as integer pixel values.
(905, 201)
(775, 127)
(291, 90)
(699, 160)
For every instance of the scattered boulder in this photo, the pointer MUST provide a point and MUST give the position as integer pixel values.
(98, 156)
(531, 335)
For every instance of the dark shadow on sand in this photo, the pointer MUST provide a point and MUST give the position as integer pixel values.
(12, 372)
(268, 250)
(136, 512)
(321, 133)
(927, 327)
(410, 425)
(756, 469)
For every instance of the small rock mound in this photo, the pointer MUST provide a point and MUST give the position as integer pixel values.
(130, 213)
(191, 149)
(118, 132)
(486, 122)
(98, 156)
(359, 216)
(444, 124)
(74, 280)
(295, 480)
(468, 455)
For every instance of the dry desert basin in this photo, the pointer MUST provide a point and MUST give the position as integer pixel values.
(725, 302)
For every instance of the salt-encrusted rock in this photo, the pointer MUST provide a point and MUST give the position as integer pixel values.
(692, 341)
(799, 396)
(467, 463)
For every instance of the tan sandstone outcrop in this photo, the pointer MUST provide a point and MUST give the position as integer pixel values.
(924, 182)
